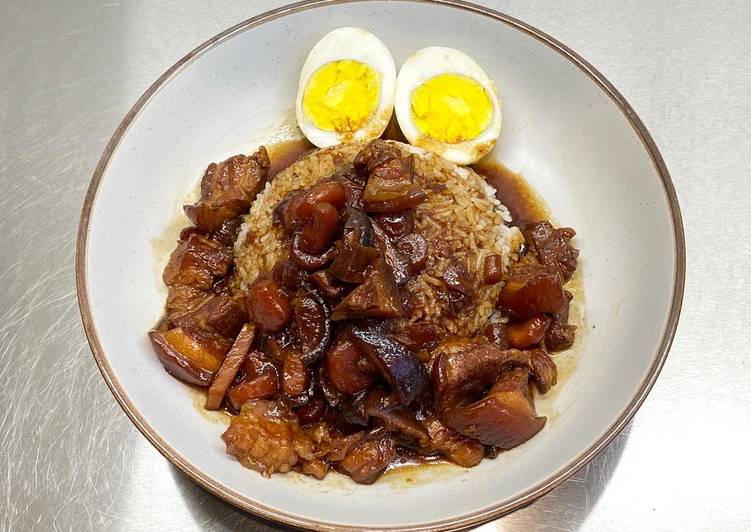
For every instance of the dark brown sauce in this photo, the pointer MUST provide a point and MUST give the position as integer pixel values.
(410, 459)
(393, 132)
(282, 154)
(511, 189)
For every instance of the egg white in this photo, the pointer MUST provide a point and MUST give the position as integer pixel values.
(429, 63)
(358, 45)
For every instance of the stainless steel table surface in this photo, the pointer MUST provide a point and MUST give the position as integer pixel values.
(71, 460)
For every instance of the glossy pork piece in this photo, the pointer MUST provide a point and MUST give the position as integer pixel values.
(390, 187)
(223, 315)
(190, 357)
(503, 418)
(552, 247)
(356, 249)
(530, 290)
(376, 297)
(267, 437)
(368, 459)
(228, 188)
(460, 449)
(560, 335)
(197, 262)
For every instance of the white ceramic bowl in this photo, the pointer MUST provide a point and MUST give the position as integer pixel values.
(565, 127)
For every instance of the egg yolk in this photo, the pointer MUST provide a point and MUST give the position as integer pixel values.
(451, 108)
(342, 95)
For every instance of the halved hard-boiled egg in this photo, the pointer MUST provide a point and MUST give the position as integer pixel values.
(447, 104)
(346, 89)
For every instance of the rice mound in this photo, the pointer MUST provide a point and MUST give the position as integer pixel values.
(464, 221)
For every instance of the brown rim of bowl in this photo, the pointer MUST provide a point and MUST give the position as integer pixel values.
(458, 522)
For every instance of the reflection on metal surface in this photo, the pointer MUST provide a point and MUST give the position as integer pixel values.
(72, 460)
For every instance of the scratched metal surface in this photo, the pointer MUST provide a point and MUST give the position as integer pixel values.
(69, 457)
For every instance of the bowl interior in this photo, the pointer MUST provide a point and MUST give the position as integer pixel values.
(561, 130)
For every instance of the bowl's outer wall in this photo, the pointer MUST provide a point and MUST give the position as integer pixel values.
(561, 130)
